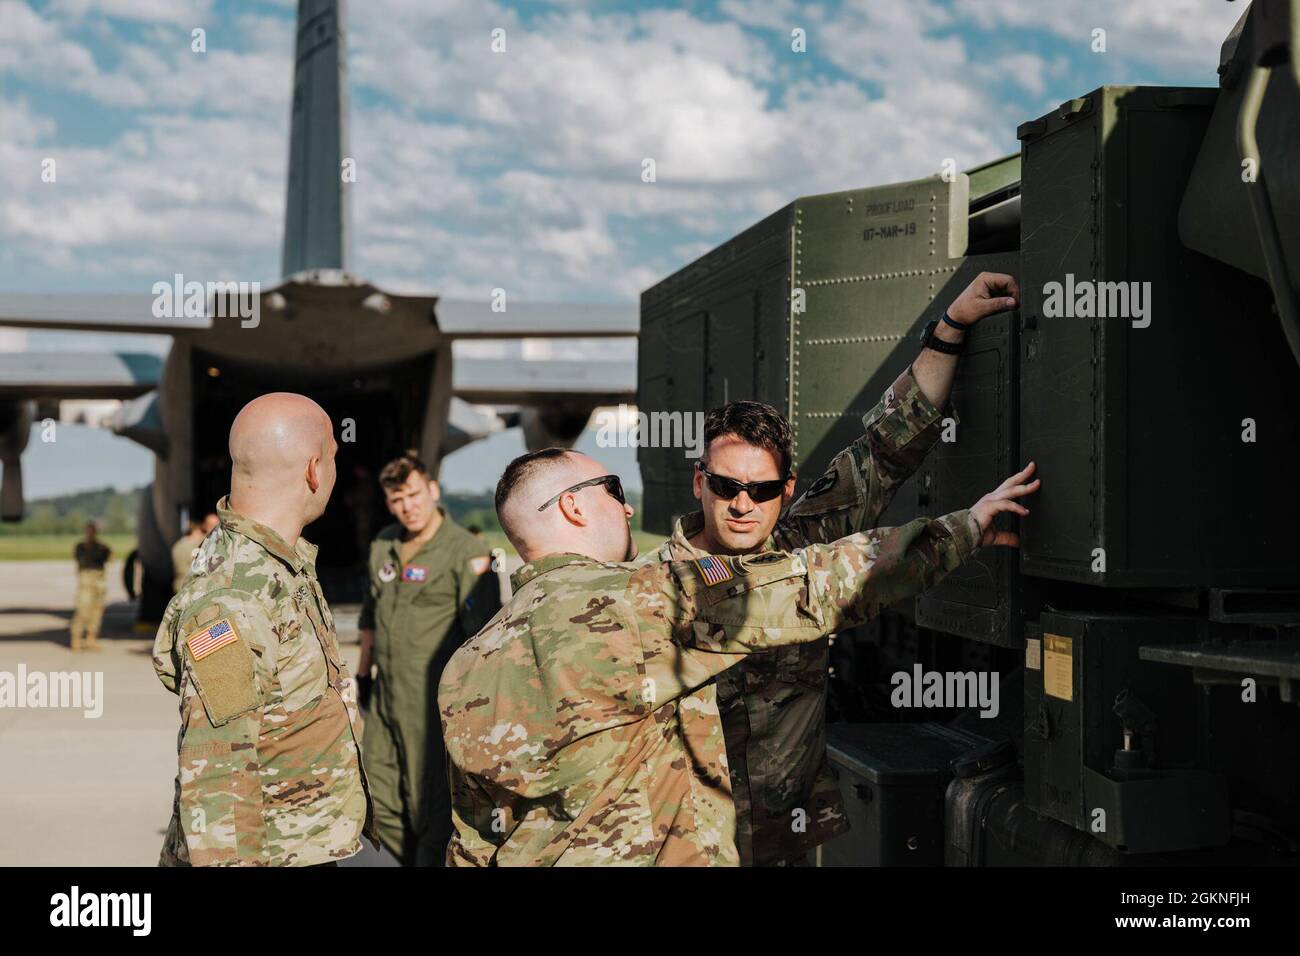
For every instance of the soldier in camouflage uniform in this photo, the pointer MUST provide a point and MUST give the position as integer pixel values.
(270, 769)
(570, 728)
(773, 704)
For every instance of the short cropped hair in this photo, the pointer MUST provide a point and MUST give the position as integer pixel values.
(521, 469)
(395, 473)
(754, 423)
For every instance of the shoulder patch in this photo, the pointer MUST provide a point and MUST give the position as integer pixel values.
(822, 485)
(714, 569)
(222, 668)
(481, 564)
(211, 638)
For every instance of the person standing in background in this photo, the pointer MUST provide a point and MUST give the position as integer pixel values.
(91, 555)
(429, 593)
(183, 550)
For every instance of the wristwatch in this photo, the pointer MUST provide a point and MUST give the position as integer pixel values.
(930, 341)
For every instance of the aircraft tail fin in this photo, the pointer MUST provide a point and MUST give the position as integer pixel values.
(317, 220)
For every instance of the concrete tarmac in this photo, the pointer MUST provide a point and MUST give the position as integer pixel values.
(78, 790)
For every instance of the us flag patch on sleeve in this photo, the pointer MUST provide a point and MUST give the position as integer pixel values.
(212, 638)
(713, 569)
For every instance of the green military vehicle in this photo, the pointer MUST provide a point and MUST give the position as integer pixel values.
(1146, 635)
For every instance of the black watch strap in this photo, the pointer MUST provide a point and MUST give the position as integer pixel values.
(930, 341)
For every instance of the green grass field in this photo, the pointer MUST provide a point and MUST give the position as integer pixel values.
(57, 547)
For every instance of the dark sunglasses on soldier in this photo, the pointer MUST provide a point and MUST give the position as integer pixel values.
(728, 488)
(611, 483)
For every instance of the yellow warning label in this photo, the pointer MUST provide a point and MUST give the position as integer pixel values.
(1058, 666)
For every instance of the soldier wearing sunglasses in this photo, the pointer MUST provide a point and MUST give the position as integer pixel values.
(773, 704)
(580, 723)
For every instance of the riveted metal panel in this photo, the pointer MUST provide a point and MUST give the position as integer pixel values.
(715, 330)
(1136, 421)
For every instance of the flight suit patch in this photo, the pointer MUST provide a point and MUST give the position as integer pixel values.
(480, 565)
(415, 572)
(388, 572)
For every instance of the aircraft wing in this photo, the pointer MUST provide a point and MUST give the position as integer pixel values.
(456, 318)
(543, 382)
(90, 313)
(467, 423)
(463, 319)
(78, 375)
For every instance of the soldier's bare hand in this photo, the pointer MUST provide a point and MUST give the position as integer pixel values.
(1000, 499)
(989, 293)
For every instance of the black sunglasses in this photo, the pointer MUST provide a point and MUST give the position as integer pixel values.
(611, 483)
(728, 488)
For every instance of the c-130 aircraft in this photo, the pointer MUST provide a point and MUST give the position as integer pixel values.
(377, 362)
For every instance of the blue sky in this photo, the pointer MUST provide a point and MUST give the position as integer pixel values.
(518, 169)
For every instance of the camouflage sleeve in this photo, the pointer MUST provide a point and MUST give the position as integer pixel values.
(862, 479)
(734, 605)
(473, 814)
(224, 650)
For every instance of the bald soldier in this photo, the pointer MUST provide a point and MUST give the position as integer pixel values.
(269, 768)
(565, 719)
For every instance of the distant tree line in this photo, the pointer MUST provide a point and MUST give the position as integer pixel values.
(468, 508)
(113, 511)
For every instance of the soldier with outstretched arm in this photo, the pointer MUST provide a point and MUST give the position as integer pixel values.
(773, 704)
(562, 718)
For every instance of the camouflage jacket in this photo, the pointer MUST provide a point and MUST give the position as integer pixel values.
(773, 705)
(269, 766)
(563, 718)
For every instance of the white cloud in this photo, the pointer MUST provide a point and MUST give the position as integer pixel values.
(28, 39)
(179, 12)
(1182, 34)
(479, 169)
(195, 194)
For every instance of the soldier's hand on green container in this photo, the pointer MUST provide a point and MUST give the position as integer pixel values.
(1000, 499)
